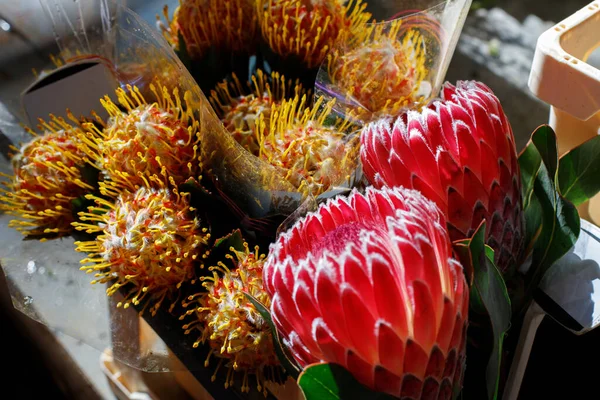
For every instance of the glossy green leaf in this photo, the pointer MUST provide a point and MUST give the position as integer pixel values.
(334, 382)
(559, 218)
(492, 289)
(489, 317)
(290, 367)
(544, 140)
(579, 172)
(234, 239)
(221, 249)
(529, 163)
(533, 224)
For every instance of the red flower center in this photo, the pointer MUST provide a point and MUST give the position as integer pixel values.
(335, 241)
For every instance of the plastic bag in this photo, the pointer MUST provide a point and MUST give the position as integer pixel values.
(395, 64)
(47, 283)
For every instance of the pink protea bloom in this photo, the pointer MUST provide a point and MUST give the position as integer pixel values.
(369, 282)
(459, 152)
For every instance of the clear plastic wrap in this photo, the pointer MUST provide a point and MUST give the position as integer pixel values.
(46, 283)
(44, 277)
(396, 63)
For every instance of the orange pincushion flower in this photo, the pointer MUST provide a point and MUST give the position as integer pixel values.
(382, 69)
(47, 177)
(148, 239)
(240, 112)
(308, 29)
(202, 24)
(314, 155)
(150, 144)
(232, 326)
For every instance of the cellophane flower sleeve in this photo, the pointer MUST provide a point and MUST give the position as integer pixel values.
(395, 63)
(44, 277)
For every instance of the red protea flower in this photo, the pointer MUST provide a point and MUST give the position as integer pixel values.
(369, 282)
(460, 153)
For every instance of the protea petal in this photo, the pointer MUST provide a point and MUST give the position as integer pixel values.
(373, 287)
(460, 153)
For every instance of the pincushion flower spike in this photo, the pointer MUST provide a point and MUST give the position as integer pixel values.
(313, 146)
(48, 176)
(240, 106)
(308, 29)
(149, 243)
(235, 331)
(380, 69)
(460, 152)
(151, 143)
(369, 282)
(228, 25)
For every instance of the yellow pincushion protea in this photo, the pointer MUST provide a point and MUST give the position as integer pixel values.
(47, 177)
(315, 155)
(202, 24)
(382, 68)
(150, 144)
(149, 240)
(240, 111)
(308, 29)
(234, 329)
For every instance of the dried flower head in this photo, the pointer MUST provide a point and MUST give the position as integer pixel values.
(148, 240)
(47, 177)
(234, 329)
(381, 70)
(205, 24)
(239, 107)
(314, 154)
(149, 144)
(308, 29)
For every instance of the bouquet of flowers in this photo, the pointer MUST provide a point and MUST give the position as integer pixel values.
(333, 213)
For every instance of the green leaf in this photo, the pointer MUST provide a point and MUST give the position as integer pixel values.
(529, 163)
(234, 239)
(489, 316)
(191, 185)
(334, 382)
(544, 140)
(461, 248)
(221, 249)
(533, 224)
(287, 364)
(559, 219)
(492, 289)
(579, 172)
